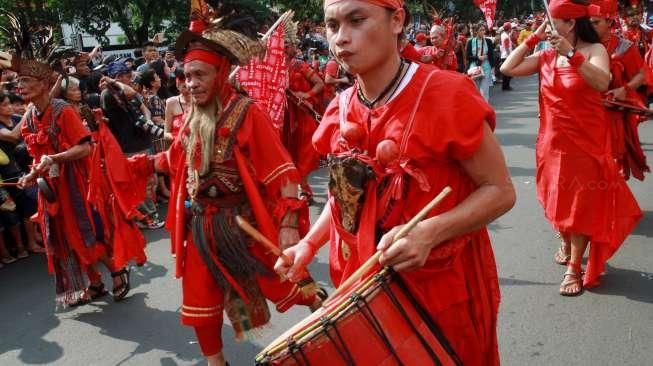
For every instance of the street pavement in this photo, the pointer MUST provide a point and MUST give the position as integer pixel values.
(611, 325)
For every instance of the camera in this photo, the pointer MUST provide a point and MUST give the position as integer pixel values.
(149, 127)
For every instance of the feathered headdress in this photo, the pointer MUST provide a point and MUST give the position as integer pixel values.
(290, 32)
(223, 27)
(33, 45)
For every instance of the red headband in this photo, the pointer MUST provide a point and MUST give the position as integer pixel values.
(565, 9)
(391, 4)
(209, 57)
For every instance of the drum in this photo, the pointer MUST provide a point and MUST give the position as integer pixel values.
(376, 323)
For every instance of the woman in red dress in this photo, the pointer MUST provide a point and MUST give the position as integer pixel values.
(578, 182)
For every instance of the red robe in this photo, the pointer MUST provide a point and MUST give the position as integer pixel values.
(433, 146)
(116, 190)
(261, 160)
(300, 124)
(68, 224)
(578, 182)
(625, 64)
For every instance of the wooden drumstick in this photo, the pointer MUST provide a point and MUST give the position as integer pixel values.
(259, 237)
(373, 260)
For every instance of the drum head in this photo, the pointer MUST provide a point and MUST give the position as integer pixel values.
(46, 190)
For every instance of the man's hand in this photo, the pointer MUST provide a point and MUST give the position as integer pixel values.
(410, 252)
(617, 94)
(27, 180)
(300, 256)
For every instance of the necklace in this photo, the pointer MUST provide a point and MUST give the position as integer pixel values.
(370, 103)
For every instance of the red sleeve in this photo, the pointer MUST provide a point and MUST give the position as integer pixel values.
(459, 111)
(260, 142)
(307, 71)
(410, 53)
(331, 69)
(73, 130)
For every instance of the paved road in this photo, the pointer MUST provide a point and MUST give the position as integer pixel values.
(610, 325)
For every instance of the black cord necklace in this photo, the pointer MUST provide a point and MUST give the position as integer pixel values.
(370, 103)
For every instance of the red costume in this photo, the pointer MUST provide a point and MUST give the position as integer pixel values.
(221, 268)
(578, 182)
(423, 120)
(625, 64)
(69, 225)
(299, 124)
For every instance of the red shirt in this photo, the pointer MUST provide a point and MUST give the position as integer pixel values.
(433, 146)
(447, 62)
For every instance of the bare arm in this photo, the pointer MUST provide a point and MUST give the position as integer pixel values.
(595, 70)
(494, 196)
(303, 253)
(74, 153)
(146, 112)
(519, 63)
(169, 116)
(13, 135)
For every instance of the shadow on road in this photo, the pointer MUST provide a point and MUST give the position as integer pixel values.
(645, 226)
(149, 328)
(631, 284)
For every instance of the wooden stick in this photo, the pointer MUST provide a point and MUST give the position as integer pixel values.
(259, 237)
(370, 263)
(3, 184)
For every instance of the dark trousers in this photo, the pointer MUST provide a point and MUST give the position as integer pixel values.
(505, 79)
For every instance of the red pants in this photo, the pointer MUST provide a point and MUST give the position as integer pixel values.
(203, 299)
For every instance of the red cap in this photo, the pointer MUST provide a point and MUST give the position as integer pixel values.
(507, 26)
(420, 37)
(565, 9)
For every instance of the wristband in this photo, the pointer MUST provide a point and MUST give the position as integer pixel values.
(532, 41)
(577, 59)
(312, 244)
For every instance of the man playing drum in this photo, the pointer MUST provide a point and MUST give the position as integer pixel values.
(395, 139)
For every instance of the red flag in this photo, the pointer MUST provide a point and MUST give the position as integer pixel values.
(489, 9)
(265, 80)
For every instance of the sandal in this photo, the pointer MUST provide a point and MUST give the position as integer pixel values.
(22, 254)
(8, 260)
(121, 291)
(561, 257)
(573, 276)
(86, 298)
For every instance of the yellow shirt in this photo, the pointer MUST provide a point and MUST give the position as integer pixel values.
(525, 33)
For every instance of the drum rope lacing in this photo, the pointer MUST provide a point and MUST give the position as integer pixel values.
(374, 322)
(340, 346)
(395, 302)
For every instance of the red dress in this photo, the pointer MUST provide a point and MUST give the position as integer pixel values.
(433, 145)
(69, 225)
(299, 124)
(578, 183)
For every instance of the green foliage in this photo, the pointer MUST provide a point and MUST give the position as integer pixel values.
(141, 19)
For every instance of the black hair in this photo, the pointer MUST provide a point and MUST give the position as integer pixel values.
(4, 95)
(585, 31)
(15, 98)
(406, 19)
(148, 44)
(147, 78)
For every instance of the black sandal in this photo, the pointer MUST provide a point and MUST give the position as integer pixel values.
(121, 291)
(86, 298)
